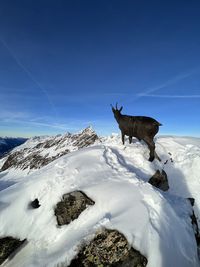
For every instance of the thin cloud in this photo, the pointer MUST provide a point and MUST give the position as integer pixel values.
(16, 95)
(171, 81)
(171, 96)
(180, 77)
(148, 92)
(24, 119)
(33, 123)
(12, 115)
(29, 74)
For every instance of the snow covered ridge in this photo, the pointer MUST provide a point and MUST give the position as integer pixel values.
(39, 151)
(115, 177)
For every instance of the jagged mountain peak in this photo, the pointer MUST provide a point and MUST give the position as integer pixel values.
(88, 129)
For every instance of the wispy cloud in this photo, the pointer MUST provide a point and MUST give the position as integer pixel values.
(18, 95)
(29, 74)
(148, 92)
(23, 119)
(23, 122)
(12, 115)
(171, 96)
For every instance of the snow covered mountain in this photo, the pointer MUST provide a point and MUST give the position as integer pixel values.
(39, 151)
(155, 223)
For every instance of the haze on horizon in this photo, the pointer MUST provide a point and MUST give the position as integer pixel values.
(62, 63)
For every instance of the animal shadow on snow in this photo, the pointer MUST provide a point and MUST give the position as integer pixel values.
(178, 188)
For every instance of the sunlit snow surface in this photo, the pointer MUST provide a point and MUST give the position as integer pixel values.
(115, 177)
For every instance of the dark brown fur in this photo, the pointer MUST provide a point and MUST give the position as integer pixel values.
(141, 127)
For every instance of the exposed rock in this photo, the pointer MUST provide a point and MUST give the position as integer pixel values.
(11, 160)
(71, 206)
(192, 200)
(196, 228)
(195, 223)
(8, 245)
(34, 204)
(166, 161)
(41, 151)
(159, 180)
(33, 161)
(108, 248)
(84, 139)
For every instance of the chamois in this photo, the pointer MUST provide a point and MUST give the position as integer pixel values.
(141, 127)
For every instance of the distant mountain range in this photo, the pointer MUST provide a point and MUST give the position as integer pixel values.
(8, 143)
(41, 150)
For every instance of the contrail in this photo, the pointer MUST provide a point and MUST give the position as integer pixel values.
(171, 96)
(174, 80)
(149, 92)
(29, 74)
(33, 123)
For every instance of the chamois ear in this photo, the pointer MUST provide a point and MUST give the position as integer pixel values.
(120, 109)
(112, 108)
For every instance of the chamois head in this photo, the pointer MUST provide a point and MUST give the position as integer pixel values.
(116, 111)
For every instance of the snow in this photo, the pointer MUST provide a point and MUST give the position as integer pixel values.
(157, 224)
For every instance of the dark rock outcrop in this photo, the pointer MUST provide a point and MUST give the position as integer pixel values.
(108, 248)
(159, 180)
(34, 204)
(8, 245)
(195, 223)
(192, 200)
(196, 228)
(71, 206)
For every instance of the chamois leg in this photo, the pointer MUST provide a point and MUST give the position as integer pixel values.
(151, 146)
(130, 139)
(123, 138)
(156, 156)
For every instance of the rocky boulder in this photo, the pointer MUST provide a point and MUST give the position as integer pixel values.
(195, 223)
(71, 206)
(108, 248)
(159, 180)
(34, 204)
(8, 245)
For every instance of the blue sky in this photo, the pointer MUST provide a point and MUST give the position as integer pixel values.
(62, 63)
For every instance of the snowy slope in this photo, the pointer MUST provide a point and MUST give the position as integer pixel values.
(115, 176)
